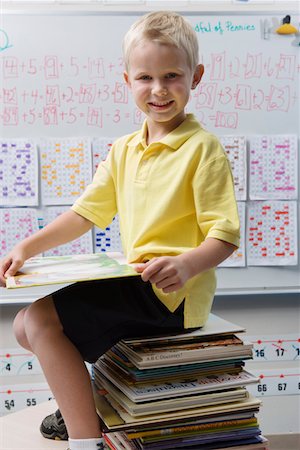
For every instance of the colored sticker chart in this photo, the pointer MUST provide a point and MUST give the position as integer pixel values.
(238, 257)
(18, 172)
(273, 167)
(100, 149)
(108, 240)
(17, 361)
(272, 233)
(276, 382)
(66, 169)
(82, 245)
(18, 396)
(16, 224)
(275, 348)
(235, 148)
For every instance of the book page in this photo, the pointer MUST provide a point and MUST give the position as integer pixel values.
(40, 271)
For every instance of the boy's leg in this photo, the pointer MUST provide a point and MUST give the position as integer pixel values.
(64, 369)
(95, 315)
(53, 426)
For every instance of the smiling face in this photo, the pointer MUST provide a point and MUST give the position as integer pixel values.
(160, 79)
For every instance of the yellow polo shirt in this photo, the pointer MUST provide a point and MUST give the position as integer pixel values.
(170, 195)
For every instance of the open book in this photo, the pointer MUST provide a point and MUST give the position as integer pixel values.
(42, 270)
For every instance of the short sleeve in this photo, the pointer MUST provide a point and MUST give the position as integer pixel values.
(215, 202)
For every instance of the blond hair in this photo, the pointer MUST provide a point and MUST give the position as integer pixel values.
(164, 27)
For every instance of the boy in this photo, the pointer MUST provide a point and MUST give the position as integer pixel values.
(171, 184)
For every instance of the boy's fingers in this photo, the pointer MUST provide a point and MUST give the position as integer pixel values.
(139, 267)
(12, 269)
(152, 272)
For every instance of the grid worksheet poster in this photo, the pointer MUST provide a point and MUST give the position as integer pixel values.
(15, 225)
(272, 233)
(273, 167)
(66, 169)
(18, 172)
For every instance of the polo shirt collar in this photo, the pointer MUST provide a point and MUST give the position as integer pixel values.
(175, 139)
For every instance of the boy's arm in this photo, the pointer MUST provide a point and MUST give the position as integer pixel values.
(65, 228)
(170, 273)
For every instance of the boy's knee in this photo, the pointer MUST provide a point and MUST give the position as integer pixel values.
(19, 329)
(41, 317)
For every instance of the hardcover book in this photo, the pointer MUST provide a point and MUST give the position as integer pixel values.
(170, 404)
(42, 270)
(191, 350)
(115, 417)
(176, 388)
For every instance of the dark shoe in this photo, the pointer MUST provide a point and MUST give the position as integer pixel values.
(53, 427)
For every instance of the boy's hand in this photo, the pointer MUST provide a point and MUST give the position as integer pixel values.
(168, 273)
(10, 264)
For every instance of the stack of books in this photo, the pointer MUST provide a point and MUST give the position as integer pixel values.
(186, 391)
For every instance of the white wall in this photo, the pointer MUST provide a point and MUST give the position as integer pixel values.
(268, 315)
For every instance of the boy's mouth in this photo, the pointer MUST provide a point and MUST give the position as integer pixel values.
(161, 105)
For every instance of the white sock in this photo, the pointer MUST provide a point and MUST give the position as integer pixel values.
(85, 444)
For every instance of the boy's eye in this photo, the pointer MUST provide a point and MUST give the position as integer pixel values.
(171, 75)
(145, 77)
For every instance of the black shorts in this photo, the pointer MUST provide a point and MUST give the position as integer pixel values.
(95, 315)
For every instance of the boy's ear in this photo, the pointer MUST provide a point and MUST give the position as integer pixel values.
(126, 79)
(198, 74)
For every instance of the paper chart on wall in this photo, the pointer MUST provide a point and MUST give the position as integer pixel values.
(18, 172)
(100, 150)
(235, 148)
(238, 257)
(273, 167)
(15, 225)
(272, 233)
(66, 169)
(82, 245)
(108, 240)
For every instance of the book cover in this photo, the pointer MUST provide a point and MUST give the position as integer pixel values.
(181, 357)
(43, 270)
(179, 387)
(114, 356)
(206, 437)
(115, 417)
(207, 425)
(214, 325)
(121, 438)
(202, 442)
(202, 348)
(136, 376)
(173, 404)
(190, 343)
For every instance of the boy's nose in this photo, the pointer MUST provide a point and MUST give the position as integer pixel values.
(159, 89)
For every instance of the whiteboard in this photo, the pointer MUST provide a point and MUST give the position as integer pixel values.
(61, 76)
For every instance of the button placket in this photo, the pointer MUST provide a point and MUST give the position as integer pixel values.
(144, 165)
